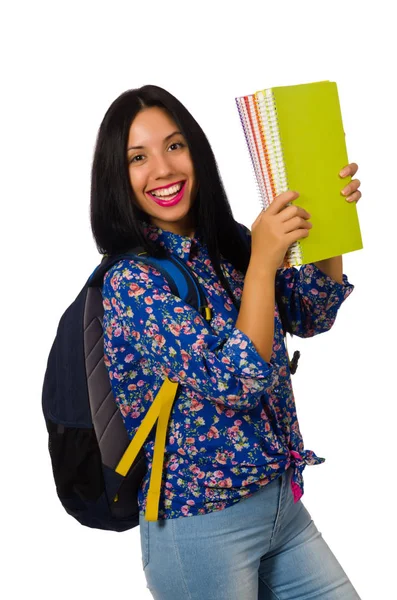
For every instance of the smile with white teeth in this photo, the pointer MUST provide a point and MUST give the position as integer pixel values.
(167, 192)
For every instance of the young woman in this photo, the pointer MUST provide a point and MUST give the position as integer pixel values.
(231, 522)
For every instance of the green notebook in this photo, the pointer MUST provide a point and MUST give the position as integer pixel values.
(296, 142)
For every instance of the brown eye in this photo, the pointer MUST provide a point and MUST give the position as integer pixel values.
(177, 144)
(137, 156)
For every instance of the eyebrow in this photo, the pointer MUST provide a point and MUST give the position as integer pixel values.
(165, 139)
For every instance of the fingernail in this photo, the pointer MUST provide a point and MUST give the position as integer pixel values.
(343, 173)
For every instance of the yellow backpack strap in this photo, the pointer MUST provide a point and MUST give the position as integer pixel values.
(161, 410)
(167, 394)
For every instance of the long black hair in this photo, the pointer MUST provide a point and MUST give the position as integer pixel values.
(117, 222)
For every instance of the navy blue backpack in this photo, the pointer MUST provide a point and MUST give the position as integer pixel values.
(97, 476)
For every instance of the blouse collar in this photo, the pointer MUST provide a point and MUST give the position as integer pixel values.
(184, 246)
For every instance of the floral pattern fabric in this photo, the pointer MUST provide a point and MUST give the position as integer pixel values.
(233, 426)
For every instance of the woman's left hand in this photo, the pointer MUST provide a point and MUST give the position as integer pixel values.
(351, 190)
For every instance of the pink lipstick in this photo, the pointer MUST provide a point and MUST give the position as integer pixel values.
(172, 202)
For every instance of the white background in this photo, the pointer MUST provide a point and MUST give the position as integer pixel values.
(63, 64)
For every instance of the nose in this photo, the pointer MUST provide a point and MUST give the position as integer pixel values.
(161, 167)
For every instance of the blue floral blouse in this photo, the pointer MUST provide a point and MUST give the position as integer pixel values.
(233, 427)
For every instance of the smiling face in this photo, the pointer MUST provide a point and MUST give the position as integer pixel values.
(162, 158)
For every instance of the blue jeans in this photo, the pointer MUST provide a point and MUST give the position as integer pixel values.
(265, 547)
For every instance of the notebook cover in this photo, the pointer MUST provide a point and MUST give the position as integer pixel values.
(314, 149)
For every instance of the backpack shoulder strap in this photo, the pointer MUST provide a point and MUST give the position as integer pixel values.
(178, 275)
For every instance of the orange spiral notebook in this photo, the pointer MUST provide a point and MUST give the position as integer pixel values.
(296, 141)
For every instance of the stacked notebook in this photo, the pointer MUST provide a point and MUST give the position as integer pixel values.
(296, 142)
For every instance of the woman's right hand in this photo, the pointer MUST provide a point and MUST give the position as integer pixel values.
(275, 229)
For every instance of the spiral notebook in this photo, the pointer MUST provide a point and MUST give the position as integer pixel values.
(296, 142)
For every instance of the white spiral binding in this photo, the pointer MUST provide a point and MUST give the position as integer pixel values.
(267, 109)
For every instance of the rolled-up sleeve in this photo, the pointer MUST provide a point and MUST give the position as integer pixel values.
(144, 320)
(308, 300)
